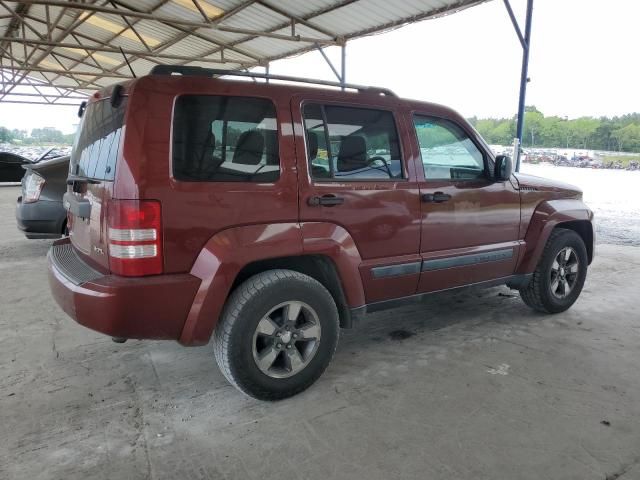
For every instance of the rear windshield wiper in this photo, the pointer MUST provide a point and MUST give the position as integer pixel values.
(71, 179)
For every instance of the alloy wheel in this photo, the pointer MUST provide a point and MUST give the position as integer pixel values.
(286, 339)
(564, 272)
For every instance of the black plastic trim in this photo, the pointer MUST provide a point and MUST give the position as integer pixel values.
(463, 260)
(396, 270)
(80, 207)
(513, 281)
(65, 260)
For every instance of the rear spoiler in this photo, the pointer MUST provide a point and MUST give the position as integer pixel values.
(47, 163)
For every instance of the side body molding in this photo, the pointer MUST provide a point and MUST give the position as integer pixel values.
(228, 251)
(548, 215)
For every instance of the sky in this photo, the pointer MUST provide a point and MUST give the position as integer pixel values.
(583, 62)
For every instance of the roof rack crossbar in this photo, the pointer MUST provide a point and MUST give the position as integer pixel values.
(211, 72)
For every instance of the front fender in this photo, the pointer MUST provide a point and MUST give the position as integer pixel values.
(547, 216)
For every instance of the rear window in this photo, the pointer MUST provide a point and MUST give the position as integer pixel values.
(225, 139)
(97, 144)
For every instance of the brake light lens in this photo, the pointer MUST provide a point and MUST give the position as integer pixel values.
(32, 188)
(135, 237)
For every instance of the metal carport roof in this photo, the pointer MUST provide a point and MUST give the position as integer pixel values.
(79, 46)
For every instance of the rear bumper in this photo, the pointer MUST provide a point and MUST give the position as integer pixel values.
(41, 219)
(153, 307)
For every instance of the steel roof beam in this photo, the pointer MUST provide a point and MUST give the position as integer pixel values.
(40, 103)
(105, 49)
(516, 26)
(177, 21)
(525, 41)
(333, 69)
(233, 11)
(64, 73)
(111, 39)
(178, 28)
(296, 19)
(54, 55)
(202, 12)
(64, 87)
(59, 38)
(265, 61)
(17, 17)
(185, 33)
(47, 95)
(126, 20)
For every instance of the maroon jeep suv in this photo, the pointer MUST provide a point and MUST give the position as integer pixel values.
(269, 215)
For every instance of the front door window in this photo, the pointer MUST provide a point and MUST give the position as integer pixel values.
(447, 151)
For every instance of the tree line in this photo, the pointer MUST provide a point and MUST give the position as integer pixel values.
(620, 134)
(36, 137)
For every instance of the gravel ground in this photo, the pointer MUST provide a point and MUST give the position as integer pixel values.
(470, 386)
(611, 194)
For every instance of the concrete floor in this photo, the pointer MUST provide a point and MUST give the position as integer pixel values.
(470, 386)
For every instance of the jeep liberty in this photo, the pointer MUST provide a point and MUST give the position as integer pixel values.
(269, 215)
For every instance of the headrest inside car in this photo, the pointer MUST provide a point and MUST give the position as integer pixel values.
(353, 154)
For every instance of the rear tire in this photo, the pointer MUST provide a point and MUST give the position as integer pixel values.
(560, 274)
(277, 334)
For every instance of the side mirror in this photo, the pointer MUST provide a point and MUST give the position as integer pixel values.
(82, 108)
(503, 168)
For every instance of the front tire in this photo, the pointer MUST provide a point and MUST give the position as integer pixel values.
(277, 334)
(560, 274)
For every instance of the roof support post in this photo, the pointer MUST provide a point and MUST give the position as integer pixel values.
(333, 69)
(343, 70)
(526, 44)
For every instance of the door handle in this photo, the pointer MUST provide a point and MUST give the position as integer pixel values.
(325, 201)
(437, 197)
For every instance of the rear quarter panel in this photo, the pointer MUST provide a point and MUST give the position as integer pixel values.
(193, 212)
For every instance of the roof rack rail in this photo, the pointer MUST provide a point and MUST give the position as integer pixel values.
(211, 72)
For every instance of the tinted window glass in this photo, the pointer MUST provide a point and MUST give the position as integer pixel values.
(225, 139)
(97, 143)
(355, 144)
(447, 151)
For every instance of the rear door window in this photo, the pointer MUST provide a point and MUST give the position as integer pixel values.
(97, 143)
(225, 139)
(349, 143)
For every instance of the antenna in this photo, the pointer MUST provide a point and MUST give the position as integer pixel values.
(128, 64)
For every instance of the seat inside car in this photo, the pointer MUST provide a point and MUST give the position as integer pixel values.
(352, 154)
(312, 142)
(249, 148)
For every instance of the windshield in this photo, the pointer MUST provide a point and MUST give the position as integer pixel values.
(97, 141)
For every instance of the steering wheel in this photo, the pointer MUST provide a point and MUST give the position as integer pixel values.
(383, 160)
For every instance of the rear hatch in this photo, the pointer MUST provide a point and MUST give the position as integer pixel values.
(92, 171)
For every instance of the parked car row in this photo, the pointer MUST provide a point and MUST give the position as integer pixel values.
(12, 162)
(39, 209)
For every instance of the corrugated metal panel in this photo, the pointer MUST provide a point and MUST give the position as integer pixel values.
(218, 35)
(228, 37)
(255, 17)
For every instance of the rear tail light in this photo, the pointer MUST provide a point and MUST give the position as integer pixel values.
(135, 237)
(33, 184)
